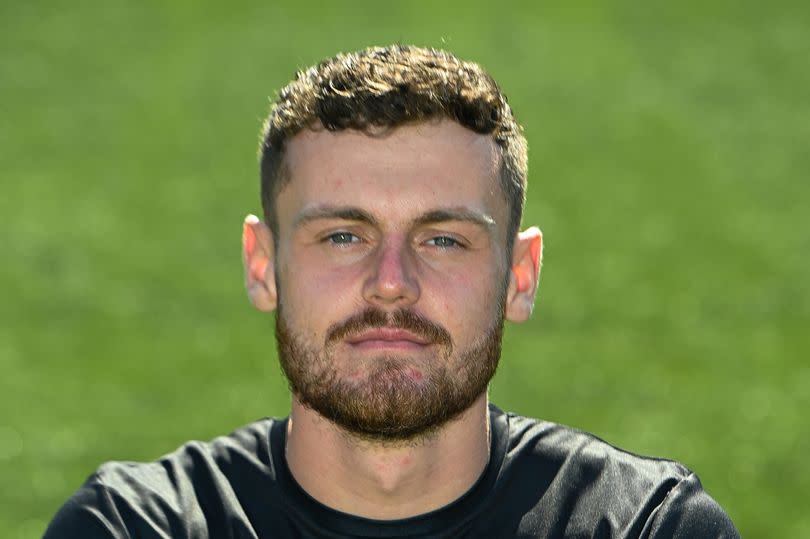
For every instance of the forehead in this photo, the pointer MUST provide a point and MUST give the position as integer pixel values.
(410, 169)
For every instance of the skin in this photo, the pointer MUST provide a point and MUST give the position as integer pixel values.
(426, 232)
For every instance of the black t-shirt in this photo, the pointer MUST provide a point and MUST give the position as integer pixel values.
(542, 480)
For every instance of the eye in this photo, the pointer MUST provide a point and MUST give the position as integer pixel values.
(444, 242)
(342, 238)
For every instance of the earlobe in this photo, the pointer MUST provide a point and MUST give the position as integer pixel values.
(527, 255)
(257, 258)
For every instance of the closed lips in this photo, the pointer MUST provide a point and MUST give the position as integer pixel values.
(391, 335)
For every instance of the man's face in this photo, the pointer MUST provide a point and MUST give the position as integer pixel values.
(391, 272)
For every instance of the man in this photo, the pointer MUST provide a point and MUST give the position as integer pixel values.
(393, 184)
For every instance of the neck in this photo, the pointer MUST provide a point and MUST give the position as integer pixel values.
(387, 481)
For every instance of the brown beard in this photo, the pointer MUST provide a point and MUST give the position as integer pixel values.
(389, 406)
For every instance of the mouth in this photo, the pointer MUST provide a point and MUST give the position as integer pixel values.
(387, 338)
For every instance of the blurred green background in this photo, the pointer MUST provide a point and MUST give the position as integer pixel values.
(668, 169)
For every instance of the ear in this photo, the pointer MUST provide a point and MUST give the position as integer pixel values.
(257, 257)
(527, 257)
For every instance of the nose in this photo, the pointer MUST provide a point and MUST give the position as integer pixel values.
(392, 279)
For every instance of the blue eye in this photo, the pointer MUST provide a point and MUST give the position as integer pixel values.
(342, 238)
(443, 242)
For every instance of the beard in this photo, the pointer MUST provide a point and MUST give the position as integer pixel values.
(389, 404)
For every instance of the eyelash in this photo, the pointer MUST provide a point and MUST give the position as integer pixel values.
(448, 242)
(453, 243)
(331, 238)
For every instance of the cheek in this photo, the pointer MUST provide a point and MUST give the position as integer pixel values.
(474, 296)
(315, 298)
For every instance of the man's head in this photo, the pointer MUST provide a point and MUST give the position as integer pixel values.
(394, 255)
(382, 88)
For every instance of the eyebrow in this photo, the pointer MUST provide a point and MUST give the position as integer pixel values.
(352, 213)
(456, 214)
(346, 213)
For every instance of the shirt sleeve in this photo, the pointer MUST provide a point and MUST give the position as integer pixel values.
(689, 512)
(89, 514)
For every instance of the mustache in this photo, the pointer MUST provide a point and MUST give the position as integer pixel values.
(372, 318)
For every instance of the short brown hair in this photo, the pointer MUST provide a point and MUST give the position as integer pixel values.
(385, 87)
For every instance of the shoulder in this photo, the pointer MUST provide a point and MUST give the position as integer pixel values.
(583, 480)
(689, 511)
(219, 460)
(198, 479)
(584, 454)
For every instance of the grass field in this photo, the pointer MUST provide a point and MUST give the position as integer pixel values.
(669, 170)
